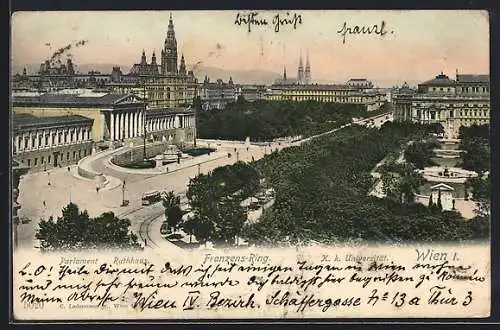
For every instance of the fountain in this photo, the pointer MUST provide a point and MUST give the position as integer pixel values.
(447, 174)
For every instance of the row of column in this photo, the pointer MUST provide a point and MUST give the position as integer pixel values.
(161, 124)
(124, 125)
(50, 138)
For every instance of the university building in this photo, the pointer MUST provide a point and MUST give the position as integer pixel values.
(462, 101)
(335, 93)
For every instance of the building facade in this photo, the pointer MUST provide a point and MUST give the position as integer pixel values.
(164, 84)
(41, 143)
(176, 125)
(370, 98)
(115, 117)
(452, 103)
(216, 95)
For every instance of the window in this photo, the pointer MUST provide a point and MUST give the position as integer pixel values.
(42, 160)
(33, 140)
(84, 152)
(46, 139)
(26, 142)
(451, 113)
(48, 159)
(36, 161)
(53, 139)
(29, 162)
(40, 140)
(74, 154)
(67, 155)
(79, 154)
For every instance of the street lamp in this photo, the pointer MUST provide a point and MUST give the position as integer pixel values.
(144, 121)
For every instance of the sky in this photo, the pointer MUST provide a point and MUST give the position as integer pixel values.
(417, 45)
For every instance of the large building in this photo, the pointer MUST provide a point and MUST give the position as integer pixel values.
(335, 93)
(40, 143)
(462, 101)
(167, 84)
(115, 117)
(164, 84)
(216, 95)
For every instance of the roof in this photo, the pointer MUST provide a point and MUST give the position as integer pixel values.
(442, 186)
(440, 80)
(321, 87)
(90, 99)
(26, 121)
(473, 78)
(144, 69)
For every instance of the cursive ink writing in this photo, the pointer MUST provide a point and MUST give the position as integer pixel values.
(375, 29)
(249, 20)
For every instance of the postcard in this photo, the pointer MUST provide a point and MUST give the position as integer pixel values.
(250, 164)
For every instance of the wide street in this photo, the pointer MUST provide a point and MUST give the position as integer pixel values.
(39, 199)
(44, 194)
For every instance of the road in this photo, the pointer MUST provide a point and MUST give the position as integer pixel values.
(44, 194)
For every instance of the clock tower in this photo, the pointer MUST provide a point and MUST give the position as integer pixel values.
(169, 52)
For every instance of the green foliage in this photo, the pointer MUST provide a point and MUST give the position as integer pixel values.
(215, 200)
(75, 230)
(475, 143)
(173, 213)
(137, 164)
(198, 151)
(420, 153)
(266, 120)
(322, 189)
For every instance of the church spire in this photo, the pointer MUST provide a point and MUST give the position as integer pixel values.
(300, 74)
(284, 73)
(143, 58)
(182, 68)
(308, 69)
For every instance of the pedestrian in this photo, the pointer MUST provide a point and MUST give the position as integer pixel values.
(247, 148)
(44, 205)
(234, 149)
(145, 242)
(253, 159)
(97, 189)
(69, 169)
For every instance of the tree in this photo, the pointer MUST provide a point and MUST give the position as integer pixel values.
(173, 212)
(189, 227)
(439, 204)
(76, 230)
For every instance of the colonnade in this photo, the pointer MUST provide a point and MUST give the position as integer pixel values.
(51, 137)
(124, 125)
